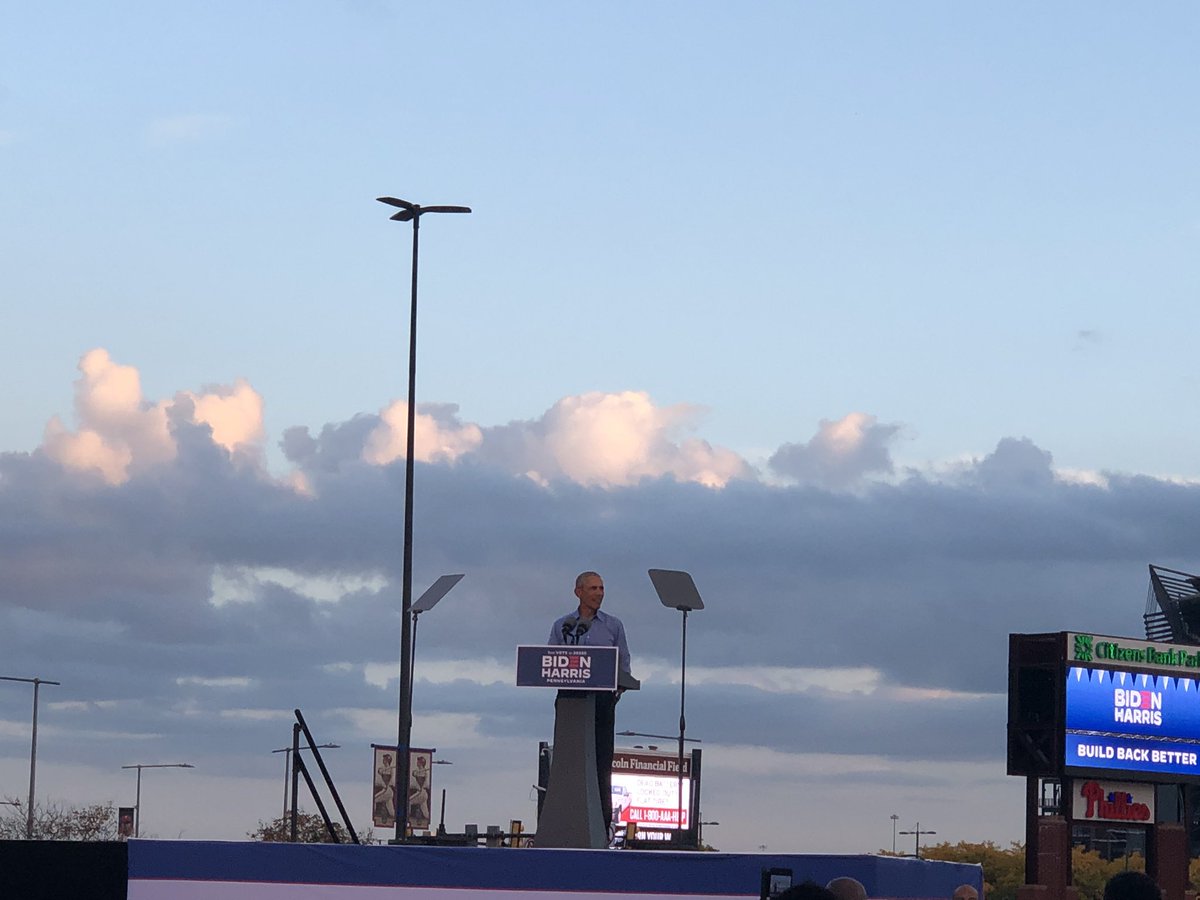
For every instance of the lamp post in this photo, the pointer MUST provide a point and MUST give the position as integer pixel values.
(287, 768)
(918, 832)
(409, 212)
(661, 737)
(894, 817)
(37, 683)
(426, 602)
(137, 806)
(677, 590)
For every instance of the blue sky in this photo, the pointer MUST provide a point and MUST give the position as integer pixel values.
(816, 301)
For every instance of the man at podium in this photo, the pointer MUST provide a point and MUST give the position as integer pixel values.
(588, 626)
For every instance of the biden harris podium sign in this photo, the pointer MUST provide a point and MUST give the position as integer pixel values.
(568, 668)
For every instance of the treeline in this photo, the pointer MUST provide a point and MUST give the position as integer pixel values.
(1004, 868)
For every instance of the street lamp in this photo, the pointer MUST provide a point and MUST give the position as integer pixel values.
(409, 212)
(661, 737)
(426, 602)
(894, 817)
(287, 768)
(37, 683)
(677, 590)
(918, 832)
(137, 806)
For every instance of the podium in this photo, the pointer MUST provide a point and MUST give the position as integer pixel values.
(571, 812)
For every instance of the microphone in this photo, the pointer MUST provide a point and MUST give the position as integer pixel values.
(581, 629)
(568, 627)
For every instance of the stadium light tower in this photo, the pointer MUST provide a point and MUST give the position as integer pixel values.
(409, 212)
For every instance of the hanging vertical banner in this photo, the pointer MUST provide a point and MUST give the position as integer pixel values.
(420, 788)
(383, 789)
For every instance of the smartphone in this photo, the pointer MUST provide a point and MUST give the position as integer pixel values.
(774, 882)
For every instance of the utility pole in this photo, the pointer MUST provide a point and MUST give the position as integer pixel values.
(917, 832)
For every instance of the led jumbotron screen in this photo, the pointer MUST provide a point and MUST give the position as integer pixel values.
(646, 789)
(1132, 723)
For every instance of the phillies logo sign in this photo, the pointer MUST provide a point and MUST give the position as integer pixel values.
(1116, 804)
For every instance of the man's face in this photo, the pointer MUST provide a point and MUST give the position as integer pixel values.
(590, 594)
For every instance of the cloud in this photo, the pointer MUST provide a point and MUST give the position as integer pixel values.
(438, 435)
(840, 454)
(116, 426)
(189, 586)
(1016, 464)
(235, 414)
(593, 439)
(619, 439)
(120, 432)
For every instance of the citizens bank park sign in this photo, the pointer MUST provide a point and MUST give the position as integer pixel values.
(1131, 706)
(1094, 650)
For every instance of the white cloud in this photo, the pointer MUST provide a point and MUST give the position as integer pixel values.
(783, 680)
(840, 454)
(594, 439)
(443, 671)
(120, 432)
(258, 715)
(233, 681)
(618, 439)
(244, 584)
(235, 414)
(834, 616)
(437, 435)
(432, 729)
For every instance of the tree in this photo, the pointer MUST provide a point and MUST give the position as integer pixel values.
(310, 829)
(1003, 869)
(55, 822)
(1090, 871)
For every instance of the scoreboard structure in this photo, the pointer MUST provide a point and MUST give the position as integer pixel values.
(1081, 704)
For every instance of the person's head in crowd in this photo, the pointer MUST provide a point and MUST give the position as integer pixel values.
(1131, 885)
(806, 890)
(847, 888)
(965, 892)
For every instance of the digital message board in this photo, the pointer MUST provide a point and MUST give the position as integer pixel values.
(645, 790)
(1136, 723)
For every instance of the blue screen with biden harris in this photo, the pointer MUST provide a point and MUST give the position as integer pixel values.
(1133, 722)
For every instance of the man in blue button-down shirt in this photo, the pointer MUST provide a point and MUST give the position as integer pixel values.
(588, 626)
